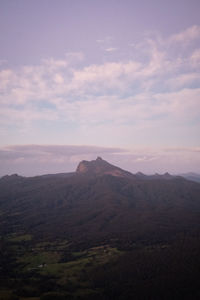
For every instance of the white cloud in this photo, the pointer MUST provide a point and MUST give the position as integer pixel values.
(7, 77)
(54, 64)
(186, 36)
(108, 76)
(111, 49)
(183, 80)
(195, 58)
(99, 41)
(107, 40)
(184, 104)
(58, 78)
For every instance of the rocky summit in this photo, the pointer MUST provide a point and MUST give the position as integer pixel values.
(101, 167)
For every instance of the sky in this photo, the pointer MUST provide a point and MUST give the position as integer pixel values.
(111, 78)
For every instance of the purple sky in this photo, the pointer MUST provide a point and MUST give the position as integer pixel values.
(35, 30)
(120, 77)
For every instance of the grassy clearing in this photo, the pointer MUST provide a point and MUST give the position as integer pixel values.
(71, 271)
(33, 261)
(52, 246)
(48, 259)
(30, 298)
(20, 238)
(45, 254)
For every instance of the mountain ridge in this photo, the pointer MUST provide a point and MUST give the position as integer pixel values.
(100, 167)
(91, 197)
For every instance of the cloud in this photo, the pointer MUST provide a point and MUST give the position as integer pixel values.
(58, 78)
(182, 80)
(195, 58)
(63, 150)
(106, 40)
(7, 77)
(182, 105)
(111, 49)
(156, 87)
(54, 64)
(186, 36)
(108, 76)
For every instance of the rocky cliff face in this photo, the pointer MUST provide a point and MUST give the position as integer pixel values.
(101, 167)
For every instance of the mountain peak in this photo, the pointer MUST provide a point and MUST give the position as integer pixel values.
(99, 158)
(100, 167)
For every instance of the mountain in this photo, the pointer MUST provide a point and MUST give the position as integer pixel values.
(165, 176)
(99, 233)
(101, 200)
(100, 167)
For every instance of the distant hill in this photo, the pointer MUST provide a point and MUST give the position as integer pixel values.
(191, 176)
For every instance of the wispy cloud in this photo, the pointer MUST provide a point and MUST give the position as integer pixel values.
(111, 49)
(186, 36)
(195, 58)
(106, 40)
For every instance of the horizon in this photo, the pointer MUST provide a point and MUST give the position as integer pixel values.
(120, 80)
(35, 160)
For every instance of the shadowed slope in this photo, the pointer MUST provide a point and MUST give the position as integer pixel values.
(99, 202)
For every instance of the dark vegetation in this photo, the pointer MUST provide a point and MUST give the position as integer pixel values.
(94, 235)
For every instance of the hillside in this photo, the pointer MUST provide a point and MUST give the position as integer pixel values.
(99, 205)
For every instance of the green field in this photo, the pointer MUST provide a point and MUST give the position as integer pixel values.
(53, 266)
